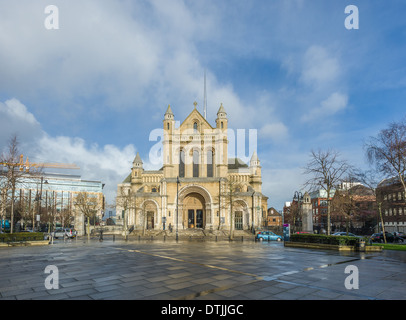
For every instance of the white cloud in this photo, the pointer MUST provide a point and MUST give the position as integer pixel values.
(16, 119)
(15, 109)
(335, 103)
(277, 132)
(282, 185)
(319, 68)
(108, 163)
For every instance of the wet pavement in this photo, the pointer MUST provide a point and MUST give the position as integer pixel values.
(155, 270)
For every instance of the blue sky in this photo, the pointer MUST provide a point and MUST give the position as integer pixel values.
(92, 91)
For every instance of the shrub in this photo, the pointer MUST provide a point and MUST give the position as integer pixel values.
(21, 236)
(324, 239)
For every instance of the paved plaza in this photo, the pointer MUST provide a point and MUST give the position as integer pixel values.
(157, 270)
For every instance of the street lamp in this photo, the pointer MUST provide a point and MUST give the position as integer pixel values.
(298, 196)
(177, 207)
(220, 179)
(39, 198)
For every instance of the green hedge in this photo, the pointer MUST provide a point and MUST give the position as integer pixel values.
(324, 239)
(21, 236)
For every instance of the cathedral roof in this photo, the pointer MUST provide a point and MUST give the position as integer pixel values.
(221, 109)
(236, 163)
(137, 158)
(196, 114)
(128, 179)
(254, 156)
(169, 110)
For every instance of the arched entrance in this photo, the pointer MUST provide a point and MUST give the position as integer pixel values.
(241, 215)
(194, 212)
(195, 207)
(148, 214)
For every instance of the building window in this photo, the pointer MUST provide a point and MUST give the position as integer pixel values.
(181, 164)
(210, 159)
(167, 125)
(195, 126)
(195, 164)
(222, 125)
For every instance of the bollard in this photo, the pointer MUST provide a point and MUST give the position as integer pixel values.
(361, 245)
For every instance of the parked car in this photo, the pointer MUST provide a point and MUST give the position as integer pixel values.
(390, 237)
(345, 234)
(58, 233)
(70, 232)
(64, 232)
(267, 235)
(400, 235)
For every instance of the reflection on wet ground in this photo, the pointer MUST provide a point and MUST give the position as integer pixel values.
(198, 270)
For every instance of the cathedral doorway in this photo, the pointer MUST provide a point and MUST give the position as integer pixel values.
(194, 211)
(238, 220)
(147, 217)
(150, 220)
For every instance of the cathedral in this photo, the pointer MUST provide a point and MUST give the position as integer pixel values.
(198, 186)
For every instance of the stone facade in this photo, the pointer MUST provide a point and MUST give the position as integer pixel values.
(198, 185)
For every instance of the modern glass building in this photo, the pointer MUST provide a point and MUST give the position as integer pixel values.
(51, 199)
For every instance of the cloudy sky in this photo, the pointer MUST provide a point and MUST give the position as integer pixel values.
(92, 91)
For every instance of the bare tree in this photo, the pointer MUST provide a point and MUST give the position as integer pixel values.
(88, 205)
(371, 179)
(326, 171)
(387, 151)
(294, 215)
(343, 205)
(127, 201)
(227, 198)
(14, 175)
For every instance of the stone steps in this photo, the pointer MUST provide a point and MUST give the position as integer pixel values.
(192, 234)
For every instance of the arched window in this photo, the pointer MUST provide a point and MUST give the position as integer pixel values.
(195, 126)
(182, 164)
(210, 159)
(196, 163)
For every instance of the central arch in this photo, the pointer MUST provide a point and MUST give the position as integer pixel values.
(195, 206)
(194, 215)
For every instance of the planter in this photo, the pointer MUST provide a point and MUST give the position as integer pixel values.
(322, 246)
(318, 246)
(24, 243)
